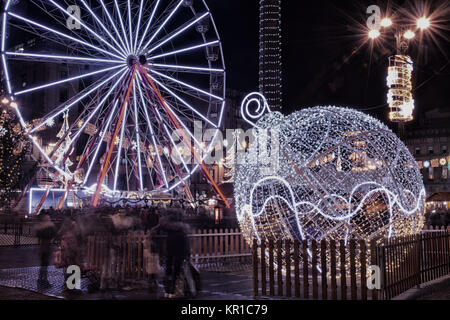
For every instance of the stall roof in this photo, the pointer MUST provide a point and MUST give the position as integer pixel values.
(440, 196)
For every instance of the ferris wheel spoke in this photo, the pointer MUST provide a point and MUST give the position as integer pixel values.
(177, 32)
(47, 158)
(141, 4)
(113, 24)
(184, 102)
(119, 153)
(66, 80)
(138, 141)
(130, 25)
(8, 3)
(80, 97)
(169, 135)
(94, 112)
(124, 33)
(149, 23)
(102, 137)
(155, 145)
(188, 69)
(95, 34)
(163, 24)
(171, 163)
(7, 78)
(192, 48)
(102, 25)
(181, 122)
(187, 85)
(63, 34)
(27, 56)
(55, 39)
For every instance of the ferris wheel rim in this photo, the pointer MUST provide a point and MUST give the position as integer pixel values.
(121, 64)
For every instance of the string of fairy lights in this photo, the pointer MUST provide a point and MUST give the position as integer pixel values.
(270, 63)
(341, 175)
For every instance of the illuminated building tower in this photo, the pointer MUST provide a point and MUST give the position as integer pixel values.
(270, 52)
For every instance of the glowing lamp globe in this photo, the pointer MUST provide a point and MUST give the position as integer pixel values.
(327, 173)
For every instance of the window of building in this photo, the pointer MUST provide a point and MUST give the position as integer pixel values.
(431, 173)
(417, 150)
(430, 150)
(444, 172)
(444, 149)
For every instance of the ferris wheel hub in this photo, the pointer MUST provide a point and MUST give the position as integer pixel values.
(133, 59)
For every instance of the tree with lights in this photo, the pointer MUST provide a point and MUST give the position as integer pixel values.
(13, 148)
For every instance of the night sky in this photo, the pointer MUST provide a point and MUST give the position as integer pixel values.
(325, 59)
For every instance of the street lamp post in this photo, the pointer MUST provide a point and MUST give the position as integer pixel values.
(399, 77)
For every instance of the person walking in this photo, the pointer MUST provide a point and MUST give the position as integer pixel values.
(45, 231)
(175, 253)
(152, 219)
(71, 245)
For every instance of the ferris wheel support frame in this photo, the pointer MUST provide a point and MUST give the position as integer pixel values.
(105, 166)
(177, 169)
(185, 139)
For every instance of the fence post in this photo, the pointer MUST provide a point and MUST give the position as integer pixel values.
(343, 271)
(353, 269)
(263, 269)
(296, 269)
(210, 245)
(373, 262)
(418, 253)
(333, 269)
(305, 269)
(315, 284)
(323, 265)
(231, 247)
(363, 269)
(255, 268)
(271, 268)
(287, 258)
(447, 251)
(227, 240)
(236, 245)
(381, 259)
(280, 267)
(216, 245)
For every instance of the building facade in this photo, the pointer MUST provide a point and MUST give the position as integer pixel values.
(429, 142)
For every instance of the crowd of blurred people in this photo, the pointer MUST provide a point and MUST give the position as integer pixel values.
(439, 217)
(70, 229)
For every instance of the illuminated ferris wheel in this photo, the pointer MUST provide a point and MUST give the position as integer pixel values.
(128, 75)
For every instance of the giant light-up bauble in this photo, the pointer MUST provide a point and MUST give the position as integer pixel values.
(339, 174)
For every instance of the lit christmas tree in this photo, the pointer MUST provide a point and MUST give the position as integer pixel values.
(13, 148)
